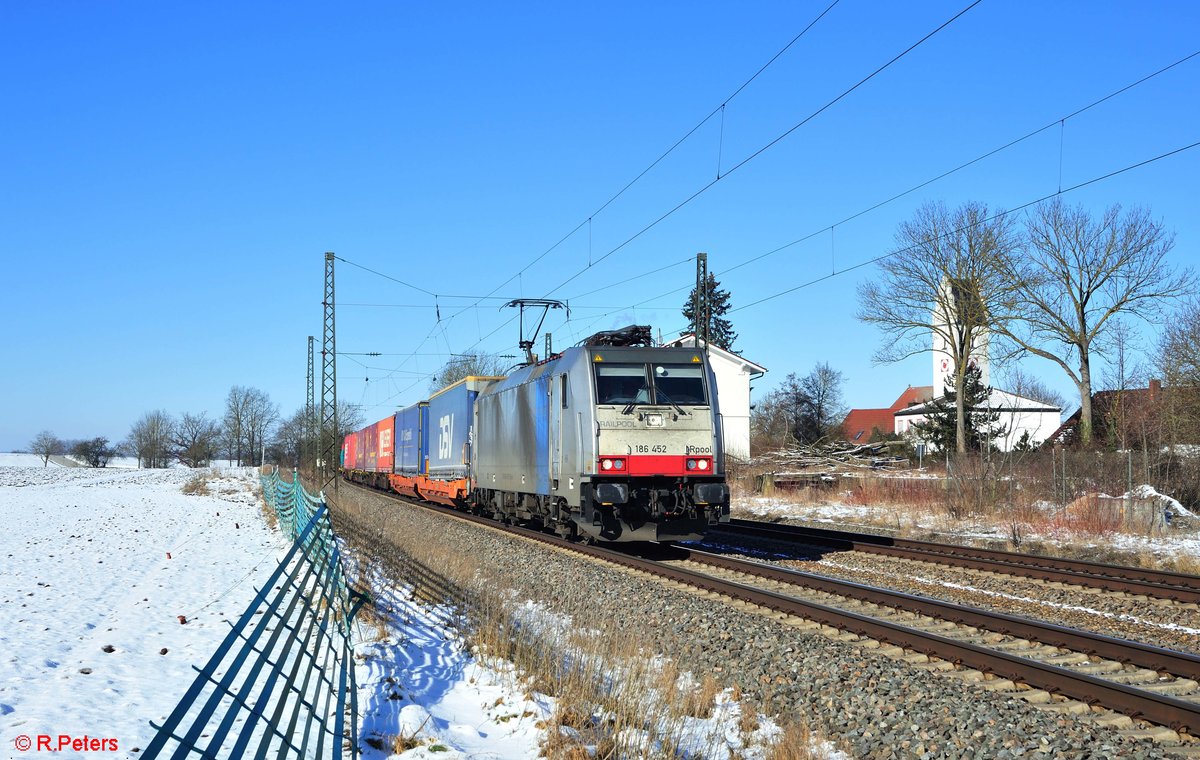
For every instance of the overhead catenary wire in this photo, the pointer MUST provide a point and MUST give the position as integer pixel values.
(1057, 122)
(920, 185)
(993, 217)
(768, 145)
(588, 221)
(719, 109)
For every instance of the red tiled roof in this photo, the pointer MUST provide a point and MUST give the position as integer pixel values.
(861, 423)
(913, 394)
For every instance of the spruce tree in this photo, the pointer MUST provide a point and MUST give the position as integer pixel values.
(940, 423)
(720, 331)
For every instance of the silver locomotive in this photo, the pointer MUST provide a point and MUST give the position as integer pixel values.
(619, 443)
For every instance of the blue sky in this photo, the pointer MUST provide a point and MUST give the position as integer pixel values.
(174, 173)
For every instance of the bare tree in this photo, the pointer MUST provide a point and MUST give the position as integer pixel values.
(261, 416)
(46, 445)
(824, 410)
(808, 409)
(944, 280)
(1178, 359)
(1025, 385)
(234, 423)
(1081, 273)
(1179, 347)
(150, 439)
(1124, 370)
(770, 423)
(95, 452)
(350, 418)
(466, 365)
(291, 440)
(196, 440)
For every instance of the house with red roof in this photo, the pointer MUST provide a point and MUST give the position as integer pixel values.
(861, 424)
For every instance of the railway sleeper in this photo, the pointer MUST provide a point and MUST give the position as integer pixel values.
(1180, 686)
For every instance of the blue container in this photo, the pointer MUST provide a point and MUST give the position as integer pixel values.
(408, 440)
(448, 432)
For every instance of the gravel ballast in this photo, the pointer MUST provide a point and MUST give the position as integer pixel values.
(871, 705)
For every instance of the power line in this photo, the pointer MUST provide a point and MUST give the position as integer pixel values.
(619, 193)
(766, 147)
(1049, 125)
(718, 109)
(770, 144)
(588, 221)
(998, 215)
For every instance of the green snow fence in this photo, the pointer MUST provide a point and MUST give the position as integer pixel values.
(281, 684)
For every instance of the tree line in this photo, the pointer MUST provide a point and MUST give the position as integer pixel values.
(249, 428)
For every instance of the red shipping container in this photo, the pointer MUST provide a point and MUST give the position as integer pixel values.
(386, 444)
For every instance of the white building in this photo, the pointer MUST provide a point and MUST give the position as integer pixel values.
(733, 374)
(1018, 415)
(947, 328)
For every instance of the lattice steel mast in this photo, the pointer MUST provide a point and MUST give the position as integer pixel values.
(330, 445)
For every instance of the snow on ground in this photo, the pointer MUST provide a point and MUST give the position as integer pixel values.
(116, 463)
(86, 569)
(423, 694)
(92, 644)
(419, 683)
(1146, 491)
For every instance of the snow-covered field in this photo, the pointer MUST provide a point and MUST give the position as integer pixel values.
(90, 603)
(33, 460)
(90, 606)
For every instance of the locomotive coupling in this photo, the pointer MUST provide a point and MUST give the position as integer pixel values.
(711, 493)
(612, 493)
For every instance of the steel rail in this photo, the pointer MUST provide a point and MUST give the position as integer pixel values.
(1110, 648)
(1160, 584)
(1160, 709)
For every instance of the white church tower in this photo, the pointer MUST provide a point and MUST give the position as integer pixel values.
(946, 323)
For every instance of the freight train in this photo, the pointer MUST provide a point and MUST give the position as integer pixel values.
(607, 442)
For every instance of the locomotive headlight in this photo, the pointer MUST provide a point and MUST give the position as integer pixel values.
(702, 464)
(618, 464)
(691, 464)
(606, 464)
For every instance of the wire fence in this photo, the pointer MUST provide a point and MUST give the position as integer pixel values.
(281, 684)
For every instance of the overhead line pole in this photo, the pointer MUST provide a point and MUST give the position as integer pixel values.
(330, 445)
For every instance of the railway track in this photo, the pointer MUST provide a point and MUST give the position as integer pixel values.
(1036, 661)
(1157, 584)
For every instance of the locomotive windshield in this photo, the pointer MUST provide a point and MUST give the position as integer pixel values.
(622, 384)
(679, 384)
(632, 384)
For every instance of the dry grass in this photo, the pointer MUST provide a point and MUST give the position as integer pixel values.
(269, 516)
(796, 743)
(197, 485)
(370, 617)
